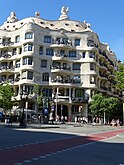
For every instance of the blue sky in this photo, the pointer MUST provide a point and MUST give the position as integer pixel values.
(105, 16)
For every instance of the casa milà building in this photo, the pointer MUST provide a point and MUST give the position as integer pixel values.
(65, 57)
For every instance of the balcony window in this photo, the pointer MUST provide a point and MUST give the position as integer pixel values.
(83, 55)
(49, 52)
(79, 93)
(76, 66)
(47, 92)
(41, 50)
(90, 43)
(24, 75)
(3, 77)
(20, 50)
(30, 89)
(27, 75)
(18, 64)
(4, 65)
(30, 75)
(72, 53)
(27, 61)
(28, 35)
(92, 55)
(43, 63)
(28, 47)
(17, 39)
(77, 42)
(45, 77)
(47, 39)
(92, 66)
(92, 80)
(14, 51)
(62, 52)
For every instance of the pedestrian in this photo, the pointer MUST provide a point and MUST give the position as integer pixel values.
(94, 121)
(113, 123)
(118, 122)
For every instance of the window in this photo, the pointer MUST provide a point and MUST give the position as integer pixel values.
(47, 39)
(28, 89)
(28, 47)
(92, 66)
(77, 42)
(92, 80)
(45, 77)
(47, 92)
(44, 63)
(90, 43)
(41, 50)
(20, 50)
(76, 66)
(27, 75)
(3, 77)
(14, 51)
(49, 52)
(92, 55)
(72, 53)
(83, 55)
(24, 75)
(17, 39)
(62, 52)
(28, 35)
(27, 61)
(18, 64)
(76, 79)
(30, 75)
(79, 93)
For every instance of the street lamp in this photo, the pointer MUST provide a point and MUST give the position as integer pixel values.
(56, 97)
(23, 97)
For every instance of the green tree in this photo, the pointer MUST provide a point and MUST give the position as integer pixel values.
(95, 104)
(103, 106)
(120, 77)
(6, 92)
(38, 95)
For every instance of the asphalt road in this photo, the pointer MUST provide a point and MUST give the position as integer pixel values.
(64, 145)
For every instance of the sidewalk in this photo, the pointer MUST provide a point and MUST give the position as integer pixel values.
(58, 125)
(41, 125)
(68, 128)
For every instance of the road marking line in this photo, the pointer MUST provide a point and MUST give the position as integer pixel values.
(35, 158)
(27, 161)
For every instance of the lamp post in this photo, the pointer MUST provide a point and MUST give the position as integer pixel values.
(56, 96)
(24, 97)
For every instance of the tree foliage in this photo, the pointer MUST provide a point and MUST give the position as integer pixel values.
(120, 76)
(101, 104)
(6, 93)
(39, 95)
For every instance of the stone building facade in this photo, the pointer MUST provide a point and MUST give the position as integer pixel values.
(65, 57)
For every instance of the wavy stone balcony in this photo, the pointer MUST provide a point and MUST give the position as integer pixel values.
(63, 99)
(10, 81)
(5, 55)
(62, 69)
(62, 43)
(7, 68)
(59, 57)
(6, 44)
(64, 82)
(80, 100)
